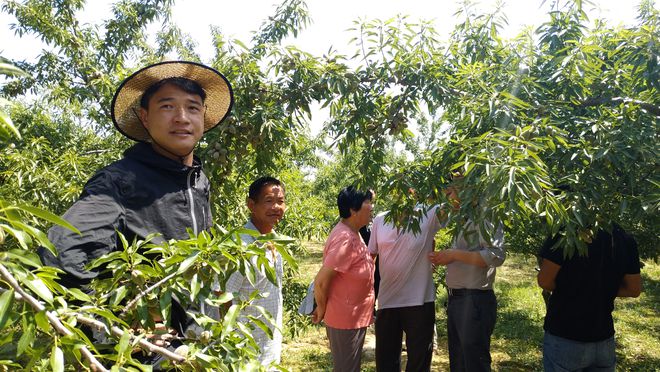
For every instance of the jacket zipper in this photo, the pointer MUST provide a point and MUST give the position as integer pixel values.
(192, 202)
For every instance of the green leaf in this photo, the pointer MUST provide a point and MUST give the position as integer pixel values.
(124, 343)
(21, 236)
(42, 322)
(188, 262)
(118, 295)
(250, 273)
(6, 301)
(34, 232)
(262, 325)
(39, 288)
(229, 320)
(195, 287)
(165, 303)
(108, 315)
(28, 258)
(7, 127)
(79, 295)
(143, 313)
(57, 359)
(104, 259)
(26, 339)
(11, 70)
(48, 216)
(288, 258)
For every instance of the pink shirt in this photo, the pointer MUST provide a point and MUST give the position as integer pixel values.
(350, 303)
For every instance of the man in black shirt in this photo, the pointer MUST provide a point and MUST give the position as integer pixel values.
(579, 330)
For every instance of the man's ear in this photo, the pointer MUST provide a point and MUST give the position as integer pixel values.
(250, 204)
(144, 114)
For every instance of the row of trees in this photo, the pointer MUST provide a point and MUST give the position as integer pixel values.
(554, 131)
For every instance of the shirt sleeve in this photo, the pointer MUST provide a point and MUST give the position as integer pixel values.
(550, 252)
(338, 252)
(434, 222)
(632, 264)
(98, 215)
(373, 240)
(235, 282)
(494, 252)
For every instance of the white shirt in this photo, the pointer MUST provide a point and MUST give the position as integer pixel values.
(406, 274)
(271, 349)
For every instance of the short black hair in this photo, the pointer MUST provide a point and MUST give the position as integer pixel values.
(352, 198)
(260, 183)
(185, 84)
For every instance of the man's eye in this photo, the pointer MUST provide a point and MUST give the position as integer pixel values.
(195, 108)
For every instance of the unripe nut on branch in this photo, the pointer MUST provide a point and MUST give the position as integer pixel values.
(182, 350)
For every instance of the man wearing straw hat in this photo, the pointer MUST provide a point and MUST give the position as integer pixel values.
(158, 186)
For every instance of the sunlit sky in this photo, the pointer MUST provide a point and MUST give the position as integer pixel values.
(331, 19)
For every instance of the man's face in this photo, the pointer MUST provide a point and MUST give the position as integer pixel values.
(174, 119)
(268, 209)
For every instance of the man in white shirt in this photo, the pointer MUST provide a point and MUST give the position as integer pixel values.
(406, 298)
(267, 205)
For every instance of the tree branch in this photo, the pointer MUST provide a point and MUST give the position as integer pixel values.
(57, 324)
(145, 292)
(598, 101)
(52, 318)
(114, 330)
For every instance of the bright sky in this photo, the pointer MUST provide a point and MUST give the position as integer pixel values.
(330, 19)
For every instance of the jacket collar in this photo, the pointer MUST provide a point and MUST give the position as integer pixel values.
(144, 153)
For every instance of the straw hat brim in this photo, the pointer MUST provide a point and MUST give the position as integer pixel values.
(126, 102)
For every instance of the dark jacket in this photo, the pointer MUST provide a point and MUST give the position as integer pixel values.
(141, 194)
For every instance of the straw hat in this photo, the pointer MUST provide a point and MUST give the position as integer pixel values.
(126, 102)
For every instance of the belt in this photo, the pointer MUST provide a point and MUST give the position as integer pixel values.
(467, 291)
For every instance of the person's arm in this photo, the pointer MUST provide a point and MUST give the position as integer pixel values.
(372, 246)
(491, 255)
(98, 216)
(631, 286)
(321, 285)
(547, 275)
(447, 256)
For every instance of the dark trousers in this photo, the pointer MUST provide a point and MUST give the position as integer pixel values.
(470, 323)
(418, 324)
(346, 348)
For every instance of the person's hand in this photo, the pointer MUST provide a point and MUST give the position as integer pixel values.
(443, 257)
(317, 315)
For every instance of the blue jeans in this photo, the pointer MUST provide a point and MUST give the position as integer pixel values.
(561, 354)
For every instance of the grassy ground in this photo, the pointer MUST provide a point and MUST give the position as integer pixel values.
(517, 340)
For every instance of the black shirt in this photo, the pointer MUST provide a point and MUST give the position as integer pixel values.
(580, 307)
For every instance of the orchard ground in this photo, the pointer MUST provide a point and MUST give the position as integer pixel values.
(517, 340)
